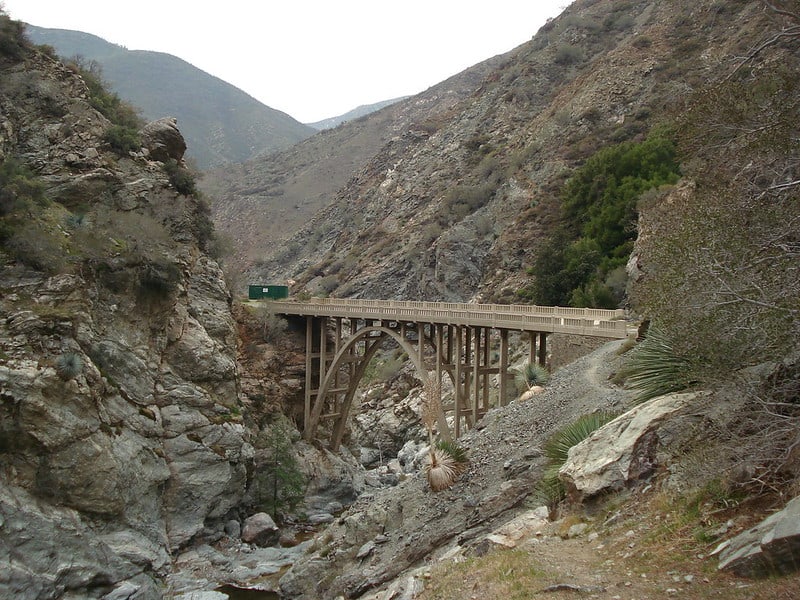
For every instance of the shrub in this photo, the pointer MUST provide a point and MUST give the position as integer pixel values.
(20, 188)
(599, 204)
(159, 278)
(567, 54)
(180, 177)
(466, 199)
(723, 252)
(77, 221)
(278, 484)
(37, 245)
(104, 101)
(122, 139)
(12, 37)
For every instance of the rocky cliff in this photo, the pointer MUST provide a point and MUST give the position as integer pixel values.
(121, 434)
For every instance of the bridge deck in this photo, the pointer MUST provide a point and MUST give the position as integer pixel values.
(549, 319)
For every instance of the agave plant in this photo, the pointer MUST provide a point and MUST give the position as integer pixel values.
(446, 462)
(69, 365)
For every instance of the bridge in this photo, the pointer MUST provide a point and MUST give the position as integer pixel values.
(440, 338)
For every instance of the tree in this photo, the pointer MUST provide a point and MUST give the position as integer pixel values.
(279, 483)
(599, 207)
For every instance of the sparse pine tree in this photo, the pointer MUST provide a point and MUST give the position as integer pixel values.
(279, 483)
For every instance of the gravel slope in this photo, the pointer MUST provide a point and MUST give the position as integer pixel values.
(404, 525)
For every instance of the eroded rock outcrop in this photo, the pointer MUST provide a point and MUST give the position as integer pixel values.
(163, 140)
(121, 430)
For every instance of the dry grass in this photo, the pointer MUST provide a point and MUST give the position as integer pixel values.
(668, 550)
(506, 574)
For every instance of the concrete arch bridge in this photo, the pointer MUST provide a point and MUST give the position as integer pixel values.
(440, 338)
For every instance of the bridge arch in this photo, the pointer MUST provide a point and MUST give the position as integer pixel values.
(345, 355)
(460, 333)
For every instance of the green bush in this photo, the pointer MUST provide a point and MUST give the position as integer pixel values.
(574, 265)
(122, 139)
(567, 54)
(104, 101)
(12, 37)
(601, 196)
(37, 245)
(464, 200)
(180, 177)
(20, 189)
(278, 484)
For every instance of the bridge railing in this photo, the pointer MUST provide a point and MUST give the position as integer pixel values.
(562, 311)
(596, 322)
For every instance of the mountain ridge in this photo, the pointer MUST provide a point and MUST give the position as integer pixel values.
(221, 123)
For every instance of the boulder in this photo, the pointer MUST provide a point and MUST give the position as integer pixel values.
(163, 140)
(623, 450)
(260, 529)
(771, 547)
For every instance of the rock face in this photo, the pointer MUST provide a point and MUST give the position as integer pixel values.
(771, 547)
(623, 450)
(121, 436)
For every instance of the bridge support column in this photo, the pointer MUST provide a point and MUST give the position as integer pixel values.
(542, 348)
(309, 347)
(503, 371)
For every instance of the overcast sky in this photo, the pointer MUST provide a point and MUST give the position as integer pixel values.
(312, 59)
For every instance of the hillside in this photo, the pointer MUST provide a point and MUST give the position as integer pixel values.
(146, 416)
(221, 123)
(454, 205)
(259, 204)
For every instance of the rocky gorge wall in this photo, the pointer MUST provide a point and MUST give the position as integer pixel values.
(121, 435)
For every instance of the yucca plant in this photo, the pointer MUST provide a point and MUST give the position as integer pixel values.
(556, 450)
(653, 368)
(69, 365)
(529, 375)
(446, 459)
(446, 462)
